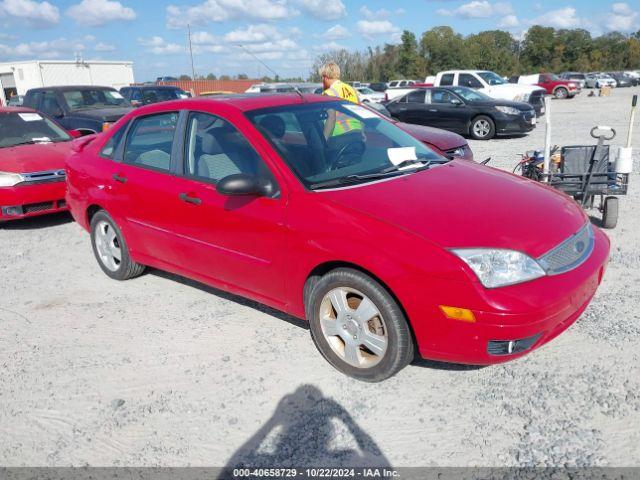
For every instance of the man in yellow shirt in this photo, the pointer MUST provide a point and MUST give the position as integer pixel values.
(338, 123)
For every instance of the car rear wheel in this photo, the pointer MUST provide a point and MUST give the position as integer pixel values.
(482, 128)
(111, 250)
(561, 92)
(358, 326)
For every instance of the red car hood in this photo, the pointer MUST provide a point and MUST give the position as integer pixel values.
(442, 139)
(34, 158)
(462, 204)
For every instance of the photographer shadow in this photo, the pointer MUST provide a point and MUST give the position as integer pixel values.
(307, 429)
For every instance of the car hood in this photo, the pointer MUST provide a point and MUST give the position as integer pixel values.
(510, 91)
(102, 114)
(465, 205)
(442, 139)
(34, 158)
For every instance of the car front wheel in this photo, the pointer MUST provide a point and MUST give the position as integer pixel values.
(482, 128)
(358, 326)
(110, 249)
(561, 93)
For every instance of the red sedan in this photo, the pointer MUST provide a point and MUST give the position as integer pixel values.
(381, 244)
(33, 149)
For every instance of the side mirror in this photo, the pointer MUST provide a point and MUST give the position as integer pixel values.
(75, 133)
(135, 103)
(244, 184)
(456, 102)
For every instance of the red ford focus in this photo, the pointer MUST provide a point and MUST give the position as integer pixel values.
(382, 245)
(33, 149)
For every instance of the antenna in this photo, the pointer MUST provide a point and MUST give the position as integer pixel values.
(295, 89)
(193, 70)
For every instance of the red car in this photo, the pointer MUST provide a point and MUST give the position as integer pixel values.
(381, 244)
(33, 149)
(554, 85)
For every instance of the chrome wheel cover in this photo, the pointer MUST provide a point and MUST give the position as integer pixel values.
(107, 246)
(481, 128)
(353, 327)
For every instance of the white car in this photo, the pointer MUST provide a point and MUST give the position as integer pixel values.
(367, 95)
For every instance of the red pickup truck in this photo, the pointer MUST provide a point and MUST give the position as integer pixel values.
(553, 84)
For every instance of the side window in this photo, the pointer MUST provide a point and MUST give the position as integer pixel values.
(446, 79)
(417, 96)
(33, 100)
(215, 149)
(50, 104)
(441, 96)
(150, 141)
(126, 93)
(110, 148)
(467, 80)
(136, 95)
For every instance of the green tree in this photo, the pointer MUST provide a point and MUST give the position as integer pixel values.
(184, 77)
(410, 63)
(537, 49)
(443, 49)
(492, 50)
(211, 76)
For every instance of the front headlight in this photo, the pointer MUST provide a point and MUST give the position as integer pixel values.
(496, 267)
(10, 179)
(572, 85)
(508, 110)
(522, 97)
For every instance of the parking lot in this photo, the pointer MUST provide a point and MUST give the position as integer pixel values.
(161, 370)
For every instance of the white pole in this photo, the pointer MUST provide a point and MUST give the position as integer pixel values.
(547, 138)
(634, 103)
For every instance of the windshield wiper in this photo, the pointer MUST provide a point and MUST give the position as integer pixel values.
(393, 171)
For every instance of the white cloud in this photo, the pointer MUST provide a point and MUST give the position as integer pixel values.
(252, 34)
(99, 12)
(622, 18)
(381, 14)
(371, 28)
(508, 21)
(46, 49)
(159, 46)
(324, 9)
(329, 47)
(561, 18)
(104, 47)
(30, 11)
(223, 10)
(477, 9)
(336, 33)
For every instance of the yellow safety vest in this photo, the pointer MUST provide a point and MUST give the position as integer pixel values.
(344, 123)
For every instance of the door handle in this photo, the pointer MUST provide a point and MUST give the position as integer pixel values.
(193, 200)
(119, 178)
(433, 110)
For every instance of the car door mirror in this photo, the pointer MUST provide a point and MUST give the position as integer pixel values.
(244, 184)
(456, 102)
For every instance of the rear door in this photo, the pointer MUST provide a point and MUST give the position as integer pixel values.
(234, 240)
(417, 110)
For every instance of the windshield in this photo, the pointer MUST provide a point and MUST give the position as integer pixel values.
(366, 91)
(28, 127)
(94, 98)
(470, 95)
(492, 78)
(361, 143)
(154, 95)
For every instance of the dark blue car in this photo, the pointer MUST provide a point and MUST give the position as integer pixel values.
(146, 94)
(88, 109)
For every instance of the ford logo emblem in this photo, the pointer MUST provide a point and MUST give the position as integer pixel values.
(579, 247)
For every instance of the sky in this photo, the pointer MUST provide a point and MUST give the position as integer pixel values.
(286, 35)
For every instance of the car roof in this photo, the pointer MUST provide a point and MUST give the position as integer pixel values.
(16, 110)
(247, 101)
(154, 87)
(72, 87)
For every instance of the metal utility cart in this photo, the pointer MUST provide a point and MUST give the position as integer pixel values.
(586, 172)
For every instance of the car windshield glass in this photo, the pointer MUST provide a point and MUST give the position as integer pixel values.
(362, 143)
(380, 108)
(94, 98)
(153, 95)
(366, 91)
(470, 95)
(29, 127)
(492, 78)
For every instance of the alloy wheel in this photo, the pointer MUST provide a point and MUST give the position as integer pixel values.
(481, 128)
(353, 327)
(108, 246)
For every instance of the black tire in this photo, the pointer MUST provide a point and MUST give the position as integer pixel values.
(482, 128)
(399, 350)
(125, 268)
(610, 212)
(561, 93)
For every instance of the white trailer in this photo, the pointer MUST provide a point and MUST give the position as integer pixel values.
(18, 77)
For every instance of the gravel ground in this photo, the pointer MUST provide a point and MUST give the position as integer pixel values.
(161, 371)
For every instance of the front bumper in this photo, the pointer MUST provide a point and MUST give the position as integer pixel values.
(22, 201)
(540, 310)
(514, 124)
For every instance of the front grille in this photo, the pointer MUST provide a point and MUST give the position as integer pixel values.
(43, 177)
(569, 254)
(37, 207)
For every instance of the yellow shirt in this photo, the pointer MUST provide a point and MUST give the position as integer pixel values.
(344, 124)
